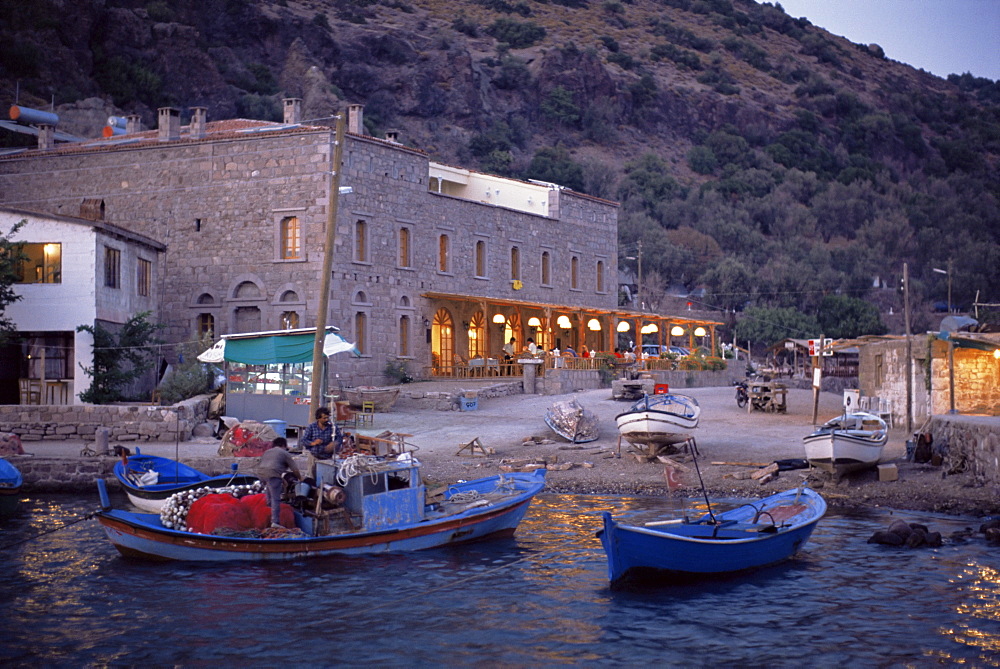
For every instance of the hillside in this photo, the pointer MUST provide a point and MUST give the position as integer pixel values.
(759, 160)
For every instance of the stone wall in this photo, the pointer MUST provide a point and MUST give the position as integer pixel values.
(968, 443)
(127, 423)
(81, 474)
(449, 400)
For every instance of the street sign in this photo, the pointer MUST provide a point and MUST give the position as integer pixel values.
(816, 347)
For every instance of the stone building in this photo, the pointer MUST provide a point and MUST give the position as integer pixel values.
(433, 265)
(77, 271)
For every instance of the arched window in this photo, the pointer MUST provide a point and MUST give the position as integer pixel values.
(404, 335)
(515, 263)
(480, 258)
(600, 276)
(574, 273)
(404, 247)
(247, 290)
(361, 241)
(546, 269)
(291, 238)
(443, 253)
(477, 335)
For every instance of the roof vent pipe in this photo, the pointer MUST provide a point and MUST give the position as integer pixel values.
(133, 124)
(355, 120)
(293, 111)
(46, 136)
(169, 126)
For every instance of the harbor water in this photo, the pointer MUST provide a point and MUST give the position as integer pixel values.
(540, 598)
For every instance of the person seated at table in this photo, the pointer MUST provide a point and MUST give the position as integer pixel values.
(530, 346)
(584, 351)
(570, 353)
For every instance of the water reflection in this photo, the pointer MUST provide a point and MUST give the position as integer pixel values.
(541, 597)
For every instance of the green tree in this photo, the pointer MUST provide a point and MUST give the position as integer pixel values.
(768, 326)
(11, 256)
(841, 317)
(553, 163)
(190, 376)
(559, 106)
(119, 357)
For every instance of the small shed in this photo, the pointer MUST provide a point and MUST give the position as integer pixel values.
(790, 357)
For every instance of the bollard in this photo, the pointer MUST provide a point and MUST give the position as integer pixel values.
(102, 437)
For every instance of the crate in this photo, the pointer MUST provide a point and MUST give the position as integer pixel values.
(661, 389)
(467, 404)
(888, 472)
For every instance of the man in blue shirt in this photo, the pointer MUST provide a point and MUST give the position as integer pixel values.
(321, 438)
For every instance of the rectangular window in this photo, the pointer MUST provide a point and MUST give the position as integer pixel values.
(443, 250)
(404, 247)
(40, 263)
(144, 277)
(206, 325)
(112, 267)
(361, 241)
(291, 238)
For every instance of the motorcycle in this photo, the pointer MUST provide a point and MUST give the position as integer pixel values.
(742, 394)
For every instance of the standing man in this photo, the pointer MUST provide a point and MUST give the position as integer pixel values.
(275, 462)
(318, 437)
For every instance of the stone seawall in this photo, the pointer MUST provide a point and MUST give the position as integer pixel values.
(81, 474)
(126, 423)
(968, 443)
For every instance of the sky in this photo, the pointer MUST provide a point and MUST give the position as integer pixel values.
(940, 36)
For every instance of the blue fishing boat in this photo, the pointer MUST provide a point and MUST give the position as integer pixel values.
(750, 536)
(10, 488)
(149, 480)
(379, 506)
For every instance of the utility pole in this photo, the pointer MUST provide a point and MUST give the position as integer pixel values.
(319, 361)
(638, 288)
(909, 349)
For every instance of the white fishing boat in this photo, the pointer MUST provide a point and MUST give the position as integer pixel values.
(663, 419)
(847, 443)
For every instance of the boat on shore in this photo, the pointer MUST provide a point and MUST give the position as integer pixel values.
(10, 488)
(659, 420)
(358, 505)
(150, 480)
(847, 443)
(572, 422)
(750, 536)
(382, 396)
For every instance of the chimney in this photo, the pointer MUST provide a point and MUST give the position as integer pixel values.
(293, 111)
(46, 136)
(392, 136)
(169, 125)
(199, 120)
(355, 122)
(133, 124)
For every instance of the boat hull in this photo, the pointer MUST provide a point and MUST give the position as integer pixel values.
(173, 477)
(659, 419)
(837, 449)
(383, 397)
(142, 536)
(703, 549)
(10, 489)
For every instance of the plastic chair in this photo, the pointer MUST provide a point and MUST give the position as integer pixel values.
(367, 414)
(346, 416)
(885, 411)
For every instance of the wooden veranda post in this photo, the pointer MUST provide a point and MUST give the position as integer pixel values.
(318, 362)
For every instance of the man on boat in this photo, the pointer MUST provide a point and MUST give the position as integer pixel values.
(321, 438)
(273, 463)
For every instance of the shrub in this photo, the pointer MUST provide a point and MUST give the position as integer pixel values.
(397, 371)
(190, 377)
(517, 34)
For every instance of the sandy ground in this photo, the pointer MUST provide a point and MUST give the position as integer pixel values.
(726, 434)
(730, 442)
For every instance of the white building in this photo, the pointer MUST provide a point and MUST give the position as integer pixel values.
(77, 272)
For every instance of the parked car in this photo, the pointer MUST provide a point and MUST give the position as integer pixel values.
(656, 350)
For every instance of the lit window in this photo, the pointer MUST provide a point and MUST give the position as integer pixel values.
(144, 277)
(40, 263)
(112, 267)
(291, 238)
